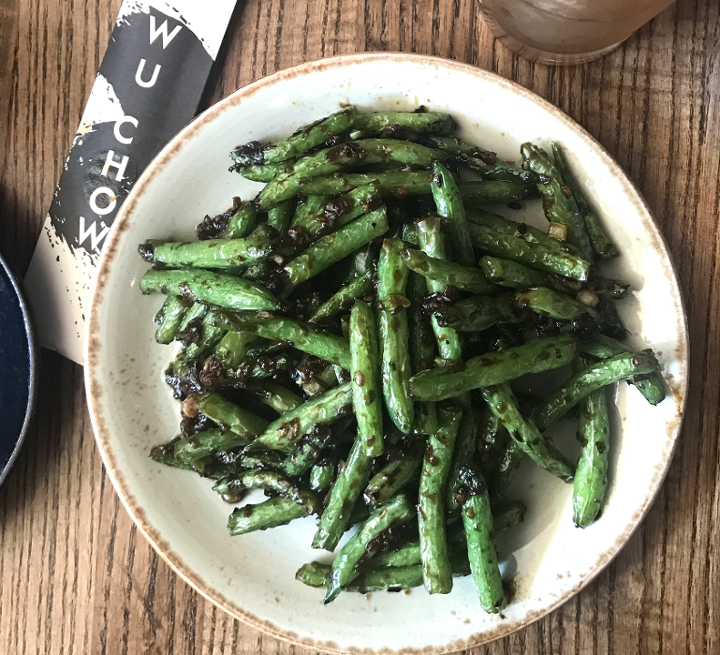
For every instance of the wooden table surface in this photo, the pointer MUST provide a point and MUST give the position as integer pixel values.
(77, 578)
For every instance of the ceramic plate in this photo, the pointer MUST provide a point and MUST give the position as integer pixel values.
(252, 577)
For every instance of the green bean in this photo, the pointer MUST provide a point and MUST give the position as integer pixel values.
(394, 336)
(362, 261)
(505, 517)
(392, 273)
(422, 350)
(314, 574)
(493, 368)
(208, 442)
(383, 123)
(604, 347)
(269, 480)
(399, 510)
(170, 317)
(279, 217)
(591, 477)
(396, 184)
(547, 302)
(394, 579)
(212, 253)
(433, 244)
(306, 453)
(232, 348)
(334, 247)
(490, 192)
(343, 497)
(558, 203)
(534, 255)
(261, 461)
(596, 376)
(325, 162)
(314, 381)
(380, 151)
(230, 416)
(391, 478)
(407, 555)
(210, 335)
(601, 243)
(225, 291)
(365, 377)
(513, 275)
(280, 363)
(339, 158)
(483, 161)
(261, 172)
(422, 340)
(241, 223)
(305, 139)
(402, 577)
(287, 430)
(193, 316)
(492, 440)
(503, 404)
(301, 335)
(269, 514)
(437, 572)
(274, 395)
(322, 474)
(465, 446)
(344, 297)
(309, 215)
(353, 204)
(165, 454)
(262, 347)
(450, 205)
(447, 273)
(479, 313)
(508, 461)
(478, 522)
(521, 230)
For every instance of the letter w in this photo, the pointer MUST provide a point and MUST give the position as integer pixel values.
(91, 232)
(155, 32)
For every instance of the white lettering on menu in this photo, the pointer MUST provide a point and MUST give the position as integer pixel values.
(120, 165)
(90, 231)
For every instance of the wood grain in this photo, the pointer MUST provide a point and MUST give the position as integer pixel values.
(76, 576)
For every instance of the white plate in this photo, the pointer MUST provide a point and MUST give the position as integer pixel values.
(252, 576)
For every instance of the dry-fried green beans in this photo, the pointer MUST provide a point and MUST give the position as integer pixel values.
(342, 307)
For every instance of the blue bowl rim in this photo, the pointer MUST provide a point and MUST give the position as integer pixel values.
(33, 359)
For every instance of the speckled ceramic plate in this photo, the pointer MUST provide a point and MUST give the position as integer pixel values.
(252, 577)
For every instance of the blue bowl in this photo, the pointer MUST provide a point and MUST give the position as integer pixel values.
(18, 368)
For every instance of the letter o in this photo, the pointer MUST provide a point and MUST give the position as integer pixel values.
(112, 200)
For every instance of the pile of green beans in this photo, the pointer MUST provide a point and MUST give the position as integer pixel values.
(353, 342)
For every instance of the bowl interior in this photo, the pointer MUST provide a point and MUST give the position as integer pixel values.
(253, 576)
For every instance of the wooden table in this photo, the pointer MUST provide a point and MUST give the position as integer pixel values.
(77, 578)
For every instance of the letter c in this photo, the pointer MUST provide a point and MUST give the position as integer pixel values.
(126, 140)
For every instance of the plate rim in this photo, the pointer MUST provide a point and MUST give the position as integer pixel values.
(92, 346)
